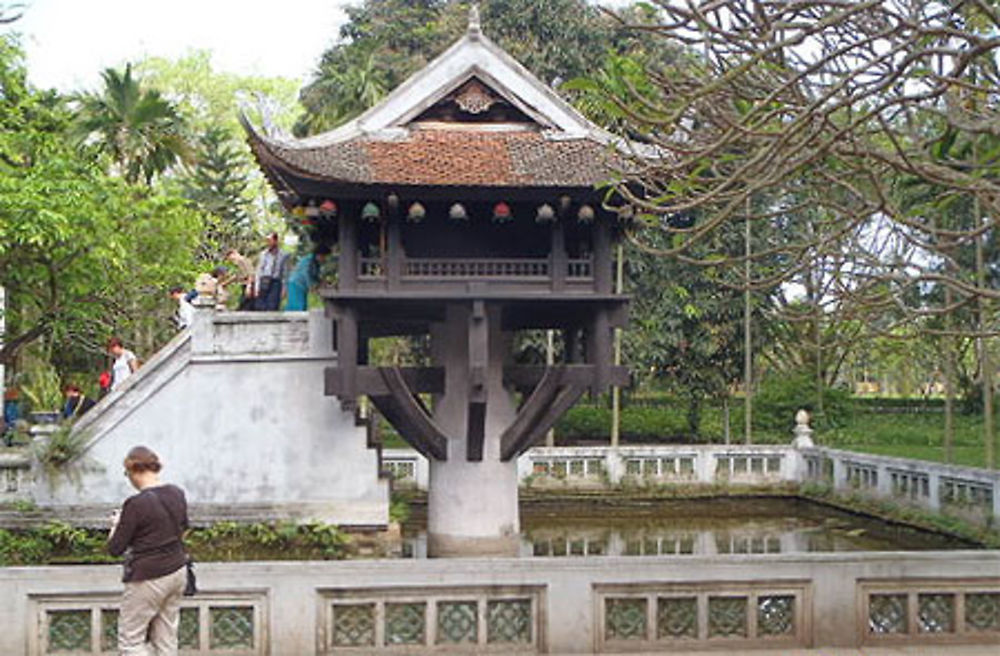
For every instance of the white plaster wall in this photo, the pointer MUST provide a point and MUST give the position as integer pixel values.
(244, 434)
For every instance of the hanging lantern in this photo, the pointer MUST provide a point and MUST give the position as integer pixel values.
(457, 212)
(545, 214)
(502, 213)
(311, 210)
(298, 210)
(416, 213)
(371, 212)
(392, 202)
(328, 208)
(586, 214)
(564, 203)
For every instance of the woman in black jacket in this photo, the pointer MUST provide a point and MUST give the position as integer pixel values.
(149, 531)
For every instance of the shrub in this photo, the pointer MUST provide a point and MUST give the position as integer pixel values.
(781, 396)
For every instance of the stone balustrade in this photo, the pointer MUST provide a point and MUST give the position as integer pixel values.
(969, 492)
(531, 605)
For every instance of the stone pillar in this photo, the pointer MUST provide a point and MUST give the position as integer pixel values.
(471, 506)
(202, 325)
(803, 433)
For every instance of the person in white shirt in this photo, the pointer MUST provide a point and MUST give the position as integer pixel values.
(125, 363)
(185, 311)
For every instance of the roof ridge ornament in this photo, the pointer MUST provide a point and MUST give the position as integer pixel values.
(475, 27)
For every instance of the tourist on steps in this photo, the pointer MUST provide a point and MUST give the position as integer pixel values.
(125, 363)
(185, 311)
(77, 402)
(271, 273)
(244, 276)
(149, 530)
(304, 277)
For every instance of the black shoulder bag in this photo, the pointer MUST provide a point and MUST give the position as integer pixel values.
(191, 586)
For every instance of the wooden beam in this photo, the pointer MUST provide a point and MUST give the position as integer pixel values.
(408, 416)
(552, 397)
(369, 380)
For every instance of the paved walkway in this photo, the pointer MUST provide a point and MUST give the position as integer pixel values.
(935, 650)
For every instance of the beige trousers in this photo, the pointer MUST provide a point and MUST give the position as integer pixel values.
(150, 613)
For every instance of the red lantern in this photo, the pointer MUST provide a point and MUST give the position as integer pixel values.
(501, 212)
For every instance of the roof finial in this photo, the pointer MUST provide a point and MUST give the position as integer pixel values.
(475, 28)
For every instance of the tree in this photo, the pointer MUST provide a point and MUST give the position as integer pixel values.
(82, 253)
(827, 107)
(142, 133)
(210, 102)
(385, 41)
(686, 327)
(218, 186)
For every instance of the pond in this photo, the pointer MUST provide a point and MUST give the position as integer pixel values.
(698, 526)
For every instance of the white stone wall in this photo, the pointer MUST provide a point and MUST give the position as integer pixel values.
(236, 411)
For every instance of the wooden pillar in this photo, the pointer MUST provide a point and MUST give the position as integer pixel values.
(571, 344)
(394, 250)
(347, 356)
(602, 255)
(558, 260)
(599, 350)
(347, 236)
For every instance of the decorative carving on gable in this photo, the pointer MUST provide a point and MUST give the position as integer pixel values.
(474, 98)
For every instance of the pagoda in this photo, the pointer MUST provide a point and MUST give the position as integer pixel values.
(466, 206)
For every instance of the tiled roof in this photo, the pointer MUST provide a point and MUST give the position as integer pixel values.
(443, 157)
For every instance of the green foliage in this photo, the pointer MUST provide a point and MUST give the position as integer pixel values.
(58, 452)
(211, 102)
(142, 132)
(82, 253)
(686, 327)
(638, 424)
(399, 509)
(218, 186)
(270, 541)
(41, 386)
(781, 396)
(52, 543)
(385, 41)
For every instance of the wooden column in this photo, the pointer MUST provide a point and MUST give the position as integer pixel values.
(347, 236)
(394, 250)
(599, 350)
(347, 357)
(602, 255)
(557, 256)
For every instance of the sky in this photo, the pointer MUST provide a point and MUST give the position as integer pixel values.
(69, 42)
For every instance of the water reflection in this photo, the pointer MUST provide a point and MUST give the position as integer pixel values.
(702, 527)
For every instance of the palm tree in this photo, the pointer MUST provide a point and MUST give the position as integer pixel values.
(342, 90)
(142, 132)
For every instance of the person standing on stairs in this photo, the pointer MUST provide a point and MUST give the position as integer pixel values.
(125, 363)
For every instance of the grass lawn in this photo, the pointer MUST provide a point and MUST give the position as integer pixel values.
(905, 435)
(918, 436)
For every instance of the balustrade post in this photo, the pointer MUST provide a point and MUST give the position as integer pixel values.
(934, 491)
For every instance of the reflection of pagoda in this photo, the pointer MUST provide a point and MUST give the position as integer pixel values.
(464, 206)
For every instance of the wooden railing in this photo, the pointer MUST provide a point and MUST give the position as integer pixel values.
(475, 268)
(371, 268)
